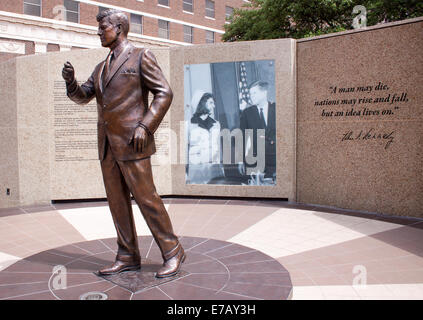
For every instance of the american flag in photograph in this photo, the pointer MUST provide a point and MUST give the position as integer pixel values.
(243, 87)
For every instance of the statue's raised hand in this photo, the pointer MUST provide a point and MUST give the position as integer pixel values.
(68, 72)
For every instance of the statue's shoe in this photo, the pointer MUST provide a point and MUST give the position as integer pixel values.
(172, 266)
(118, 267)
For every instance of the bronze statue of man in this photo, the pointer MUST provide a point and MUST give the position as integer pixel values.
(126, 125)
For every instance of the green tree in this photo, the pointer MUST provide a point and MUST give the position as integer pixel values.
(271, 19)
(381, 11)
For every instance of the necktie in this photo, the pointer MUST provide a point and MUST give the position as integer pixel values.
(262, 118)
(107, 68)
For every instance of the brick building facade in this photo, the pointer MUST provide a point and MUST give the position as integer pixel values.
(37, 26)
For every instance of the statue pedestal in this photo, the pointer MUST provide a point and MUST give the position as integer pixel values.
(213, 270)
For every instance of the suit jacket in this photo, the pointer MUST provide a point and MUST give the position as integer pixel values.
(250, 119)
(123, 101)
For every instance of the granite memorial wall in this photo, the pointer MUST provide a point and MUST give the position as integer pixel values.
(347, 122)
(359, 119)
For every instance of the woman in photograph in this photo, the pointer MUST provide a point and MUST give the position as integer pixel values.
(204, 141)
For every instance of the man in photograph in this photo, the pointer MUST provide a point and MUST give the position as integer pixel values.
(260, 115)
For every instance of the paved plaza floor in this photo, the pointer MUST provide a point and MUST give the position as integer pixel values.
(255, 249)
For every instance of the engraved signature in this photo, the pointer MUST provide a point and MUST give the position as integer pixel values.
(369, 135)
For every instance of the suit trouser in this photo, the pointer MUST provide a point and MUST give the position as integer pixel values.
(121, 178)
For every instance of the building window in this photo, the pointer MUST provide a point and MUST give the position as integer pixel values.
(209, 8)
(164, 29)
(163, 2)
(136, 23)
(32, 7)
(72, 11)
(209, 36)
(188, 34)
(188, 5)
(228, 12)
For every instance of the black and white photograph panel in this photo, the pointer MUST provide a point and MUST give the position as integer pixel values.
(230, 123)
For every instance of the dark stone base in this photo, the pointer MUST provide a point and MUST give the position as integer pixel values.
(213, 270)
(142, 279)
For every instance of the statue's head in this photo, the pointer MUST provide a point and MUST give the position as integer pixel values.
(113, 25)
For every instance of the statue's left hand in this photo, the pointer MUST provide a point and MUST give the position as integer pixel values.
(140, 139)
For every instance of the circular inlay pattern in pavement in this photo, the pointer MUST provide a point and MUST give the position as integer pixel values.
(213, 270)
